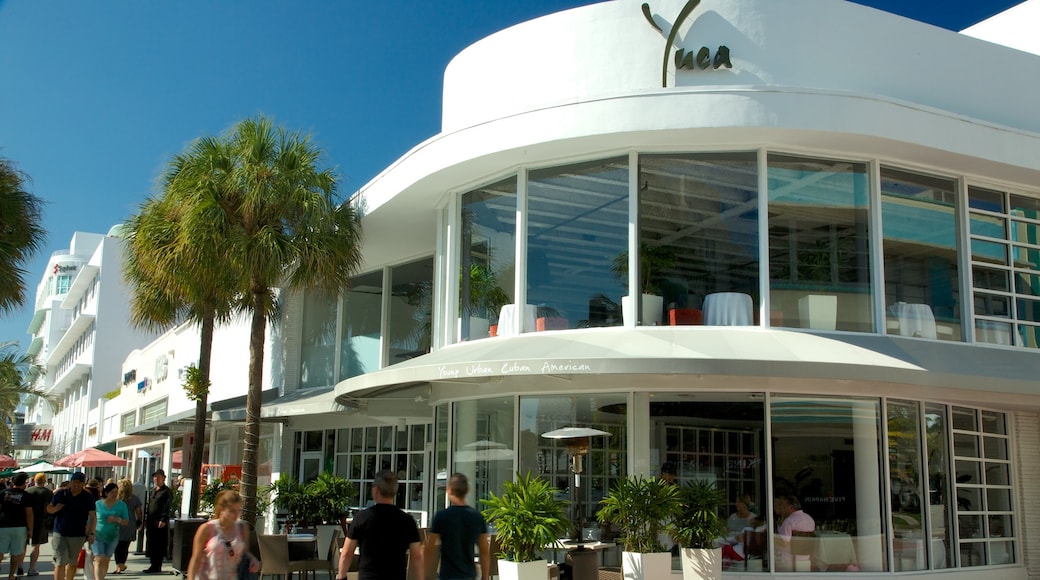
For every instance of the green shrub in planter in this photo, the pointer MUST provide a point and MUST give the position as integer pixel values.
(527, 517)
(640, 508)
(698, 524)
(329, 497)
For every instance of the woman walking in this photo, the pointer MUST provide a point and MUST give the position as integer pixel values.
(112, 514)
(221, 543)
(128, 533)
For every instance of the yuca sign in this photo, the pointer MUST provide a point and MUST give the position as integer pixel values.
(700, 60)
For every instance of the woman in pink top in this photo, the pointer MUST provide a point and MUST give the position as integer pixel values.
(221, 543)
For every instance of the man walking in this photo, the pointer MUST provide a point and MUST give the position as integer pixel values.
(457, 529)
(16, 521)
(74, 523)
(385, 534)
(157, 531)
(41, 495)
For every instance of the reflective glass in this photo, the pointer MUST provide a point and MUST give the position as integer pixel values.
(940, 549)
(968, 471)
(1022, 231)
(411, 311)
(602, 464)
(993, 422)
(920, 243)
(318, 340)
(698, 217)
(484, 448)
(1026, 258)
(1027, 284)
(1025, 206)
(992, 305)
(992, 252)
(965, 419)
(997, 474)
(905, 482)
(998, 500)
(987, 225)
(826, 454)
(359, 333)
(577, 230)
(990, 332)
(990, 279)
(819, 247)
(487, 261)
(965, 445)
(985, 199)
(995, 447)
(1029, 335)
(1028, 310)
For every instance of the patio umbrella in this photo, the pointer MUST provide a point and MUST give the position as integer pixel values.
(7, 461)
(42, 467)
(91, 457)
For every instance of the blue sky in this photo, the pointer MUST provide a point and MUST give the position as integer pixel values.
(95, 96)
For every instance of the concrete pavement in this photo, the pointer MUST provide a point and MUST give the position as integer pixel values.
(135, 563)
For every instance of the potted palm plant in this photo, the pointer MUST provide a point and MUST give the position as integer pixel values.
(641, 508)
(696, 526)
(653, 262)
(486, 299)
(528, 518)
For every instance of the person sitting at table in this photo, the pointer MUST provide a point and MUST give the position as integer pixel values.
(737, 550)
(740, 519)
(795, 523)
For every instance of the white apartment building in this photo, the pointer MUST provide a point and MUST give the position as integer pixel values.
(81, 334)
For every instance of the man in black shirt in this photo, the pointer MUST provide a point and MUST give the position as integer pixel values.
(74, 523)
(385, 534)
(41, 495)
(457, 529)
(16, 521)
(157, 531)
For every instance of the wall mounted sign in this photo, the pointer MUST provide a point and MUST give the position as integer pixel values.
(700, 60)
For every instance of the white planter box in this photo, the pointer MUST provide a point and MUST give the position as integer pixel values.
(655, 566)
(701, 564)
(537, 570)
(653, 309)
(818, 311)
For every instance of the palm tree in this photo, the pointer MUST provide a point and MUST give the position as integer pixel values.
(17, 372)
(244, 213)
(179, 272)
(21, 233)
(286, 229)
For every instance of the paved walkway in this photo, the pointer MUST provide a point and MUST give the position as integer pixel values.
(135, 563)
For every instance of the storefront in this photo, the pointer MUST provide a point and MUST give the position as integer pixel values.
(838, 258)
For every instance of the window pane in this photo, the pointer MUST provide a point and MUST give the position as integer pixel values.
(964, 419)
(904, 457)
(359, 334)
(940, 510)
(993, 422)
(920, 240)
(992, 252)
(997, 474)
(1024, 257)
(577, 228)
(988, 226)
(698, 218)
(549, 458)
(1022, 231)
(998, 500)
(1025, 206)
(824, 451)
(995, 447)
(411, 316)
(484, 447)
(318, 340)
(1028, 284)
(990, 279)
(1029, 335)
(819, 258)
(985, 199)
(488, 238)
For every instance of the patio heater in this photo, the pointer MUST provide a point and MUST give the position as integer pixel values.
(576, 439)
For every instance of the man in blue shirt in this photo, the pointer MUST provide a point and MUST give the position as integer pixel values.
(457, 529)
(74, 523)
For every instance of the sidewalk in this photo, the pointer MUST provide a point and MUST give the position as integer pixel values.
(135, 564)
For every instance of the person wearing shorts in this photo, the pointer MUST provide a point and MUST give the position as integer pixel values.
(112, 515)
(16, 521)
(41, 495)
(74, 523)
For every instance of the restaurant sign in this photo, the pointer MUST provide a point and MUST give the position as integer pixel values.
(701, 59)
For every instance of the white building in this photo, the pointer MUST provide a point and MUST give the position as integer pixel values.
(81, 334)
(835, 213)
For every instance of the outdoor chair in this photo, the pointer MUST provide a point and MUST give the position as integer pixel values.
(274, 558)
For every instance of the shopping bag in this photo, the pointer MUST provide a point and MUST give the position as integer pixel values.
(81, 561)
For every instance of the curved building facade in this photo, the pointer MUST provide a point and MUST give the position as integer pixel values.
(831, 217)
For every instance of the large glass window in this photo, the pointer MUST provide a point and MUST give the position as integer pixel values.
(359, 331)
(919, 224)
(1005, 254)
(698, 223)
(577, 228)
(552, 458)
(361, 452)
(318, 340)
(826, 458)
(906, 486)
(487, 266)
(721, 439)
(411, 311)
(819, 257)
(484, 445)
(940, 512)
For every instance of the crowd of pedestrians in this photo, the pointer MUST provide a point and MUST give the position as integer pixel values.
(76, 516)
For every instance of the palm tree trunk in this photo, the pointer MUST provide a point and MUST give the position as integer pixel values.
(197, 446)
(258, 326)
